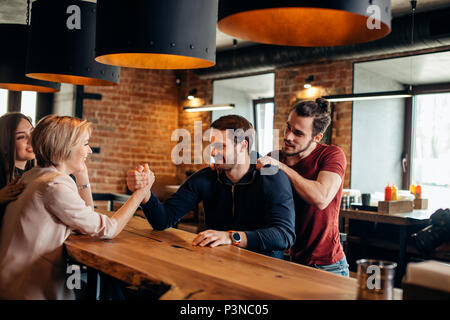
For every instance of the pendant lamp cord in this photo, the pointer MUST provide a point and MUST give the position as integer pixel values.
(28, 12)
(413, 8)
(234, 51)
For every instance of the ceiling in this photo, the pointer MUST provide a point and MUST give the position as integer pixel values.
(14, 11)
(255, 87)
(428, 68)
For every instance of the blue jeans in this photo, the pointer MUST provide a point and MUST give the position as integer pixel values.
(339, 268)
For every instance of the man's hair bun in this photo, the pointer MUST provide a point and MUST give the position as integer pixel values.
(324, 104)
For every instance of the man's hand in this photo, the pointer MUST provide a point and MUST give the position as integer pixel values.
(263, 161)
(141, 178)
(212, 238)
(137, 178)
(11, 191)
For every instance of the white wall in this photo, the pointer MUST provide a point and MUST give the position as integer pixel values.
(377, 134)
(243, 104)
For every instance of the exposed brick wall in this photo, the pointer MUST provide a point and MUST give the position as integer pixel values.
(134, 121)
(187, 119)
(132, 124)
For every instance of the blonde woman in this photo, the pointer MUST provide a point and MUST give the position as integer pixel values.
(36, 225)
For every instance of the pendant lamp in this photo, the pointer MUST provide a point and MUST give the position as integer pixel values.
(13, 59)
(62, 43)
(157, 34)
(307, 23)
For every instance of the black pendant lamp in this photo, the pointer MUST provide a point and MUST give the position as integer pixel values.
(62, 44)
(307, 23)
(13, 59)
(157, 34)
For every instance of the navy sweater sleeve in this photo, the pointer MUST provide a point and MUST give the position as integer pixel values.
(164, 215)
(280, 231)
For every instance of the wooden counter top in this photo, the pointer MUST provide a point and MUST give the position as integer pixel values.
(144, 258)
(406, 218)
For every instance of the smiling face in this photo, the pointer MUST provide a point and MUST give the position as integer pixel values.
(79, 154)
(24, 151)
(226, 153)
(298, 134)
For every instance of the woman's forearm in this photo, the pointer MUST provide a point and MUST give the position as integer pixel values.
(126, 212)
(84, 188)
(86, 194)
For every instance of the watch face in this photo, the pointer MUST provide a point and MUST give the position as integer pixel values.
(236, 236)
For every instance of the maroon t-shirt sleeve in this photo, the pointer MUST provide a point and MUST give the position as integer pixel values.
(333, 160)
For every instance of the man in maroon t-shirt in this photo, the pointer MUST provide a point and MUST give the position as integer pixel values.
(316, 172)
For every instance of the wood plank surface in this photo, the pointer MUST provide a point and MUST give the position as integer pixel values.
(146, 258)
(404, 219)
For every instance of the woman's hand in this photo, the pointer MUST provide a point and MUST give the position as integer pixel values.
(11, 191)
(82, 176)
(142, 181)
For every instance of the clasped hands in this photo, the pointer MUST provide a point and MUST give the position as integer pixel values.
(141, 179)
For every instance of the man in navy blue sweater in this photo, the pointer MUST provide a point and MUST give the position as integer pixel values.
(242, 207)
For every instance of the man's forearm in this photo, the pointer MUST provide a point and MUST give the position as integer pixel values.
(310, 190)
(147, 197)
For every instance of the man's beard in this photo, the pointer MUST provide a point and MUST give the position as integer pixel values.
(224, 166)
(296, 153)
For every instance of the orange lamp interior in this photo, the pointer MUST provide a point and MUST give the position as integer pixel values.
(153, 61)
(307, 27)
(65, 78)
(26, 87)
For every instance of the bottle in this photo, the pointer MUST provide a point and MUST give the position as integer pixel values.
(388, 193)
(418, 191)
(394, 192)
(412, 189)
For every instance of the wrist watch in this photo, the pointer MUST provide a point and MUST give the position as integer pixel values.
(235, 238)
(84, 186)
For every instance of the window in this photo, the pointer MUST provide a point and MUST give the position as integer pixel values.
(264, 115)
(431, 148)
(403, 141)
(28, 106)
(28, 103)
(377, 133)
(3, 101)
(253, 100)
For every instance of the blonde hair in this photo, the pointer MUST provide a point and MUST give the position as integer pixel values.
(55, 136)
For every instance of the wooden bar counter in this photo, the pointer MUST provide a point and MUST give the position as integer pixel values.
(146, 258)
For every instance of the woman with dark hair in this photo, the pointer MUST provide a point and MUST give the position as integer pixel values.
(16, 155)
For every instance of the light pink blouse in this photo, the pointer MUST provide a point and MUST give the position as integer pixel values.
(34, 229)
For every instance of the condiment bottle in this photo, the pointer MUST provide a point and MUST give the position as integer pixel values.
(412, 189)
(388, 193)
(418, 191)
(394, 192)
